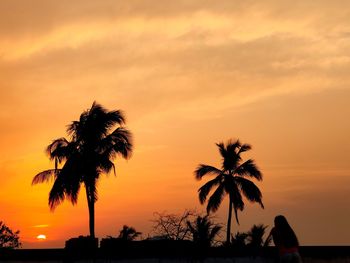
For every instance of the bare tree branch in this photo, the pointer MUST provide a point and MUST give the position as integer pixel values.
(173, 226)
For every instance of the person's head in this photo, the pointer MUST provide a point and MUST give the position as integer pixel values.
(281, 222)
(285, 231)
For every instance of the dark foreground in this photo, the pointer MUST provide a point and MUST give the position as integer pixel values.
(171, 253)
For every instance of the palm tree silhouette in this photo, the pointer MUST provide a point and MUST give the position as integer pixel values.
(203, 231)
(90, 152)
(128, 233)
(256, 235)
(239, 239)
(230, 179)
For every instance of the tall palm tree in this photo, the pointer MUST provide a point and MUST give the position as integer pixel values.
(231, 179)
(93, 144)
(203, 231)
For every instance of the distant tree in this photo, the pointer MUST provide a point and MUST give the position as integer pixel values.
(8, 237)
(128, 233)
(203, 231)
(231, 179)
(256, 235)
(239, 239)
(172, 226)
(94, 143)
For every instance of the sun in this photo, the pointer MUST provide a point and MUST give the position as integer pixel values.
(41, 237)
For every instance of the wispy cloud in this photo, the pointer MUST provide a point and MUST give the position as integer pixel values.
(41, 226)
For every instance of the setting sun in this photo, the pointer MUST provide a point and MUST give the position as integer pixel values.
(41, 237)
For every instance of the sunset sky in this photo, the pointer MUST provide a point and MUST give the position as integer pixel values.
(187, 74)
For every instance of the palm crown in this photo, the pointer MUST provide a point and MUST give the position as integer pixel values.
(231, 179)
(203, 231)
(128, 233)
(90, 152)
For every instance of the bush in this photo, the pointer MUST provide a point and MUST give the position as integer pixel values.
(8, 237)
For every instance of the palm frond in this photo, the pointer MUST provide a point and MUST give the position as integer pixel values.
(236, 215)
(116, 117)
(204, 169)
(59, 149)
(230, 154)
(222, 149)
(57, 193)
(94, 124)
(250, 190)
(73, 192)
(118, 142)
(69, 177)
(245, 147)
(232, 146)
(206, 188)
(214, 232)
(122, 139)
(74, 130)
(216, 199)
(45, 176)
(249, 168)
(107, 166)
(72, 186)
(103, 120)
(237, 202)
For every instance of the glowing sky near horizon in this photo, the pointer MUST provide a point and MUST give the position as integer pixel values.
(187, 74)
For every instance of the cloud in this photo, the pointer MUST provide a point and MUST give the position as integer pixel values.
(175, 63)
(41, 226)
(187, 73)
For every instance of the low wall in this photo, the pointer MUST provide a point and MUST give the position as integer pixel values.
(310, 254)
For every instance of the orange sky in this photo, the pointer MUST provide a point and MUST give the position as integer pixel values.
(187, 74)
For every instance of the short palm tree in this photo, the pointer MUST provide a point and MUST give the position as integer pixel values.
(94, 143)
(203, 231)
(239, 239)
(231, 179)
(128, 233)
(256, 235)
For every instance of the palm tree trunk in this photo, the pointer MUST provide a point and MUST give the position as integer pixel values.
(228, 234)
(91, 206)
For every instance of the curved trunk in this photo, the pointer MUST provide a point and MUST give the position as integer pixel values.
(228, 234)
(91, 206)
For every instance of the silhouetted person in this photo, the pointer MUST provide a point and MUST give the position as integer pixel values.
(285, 240)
